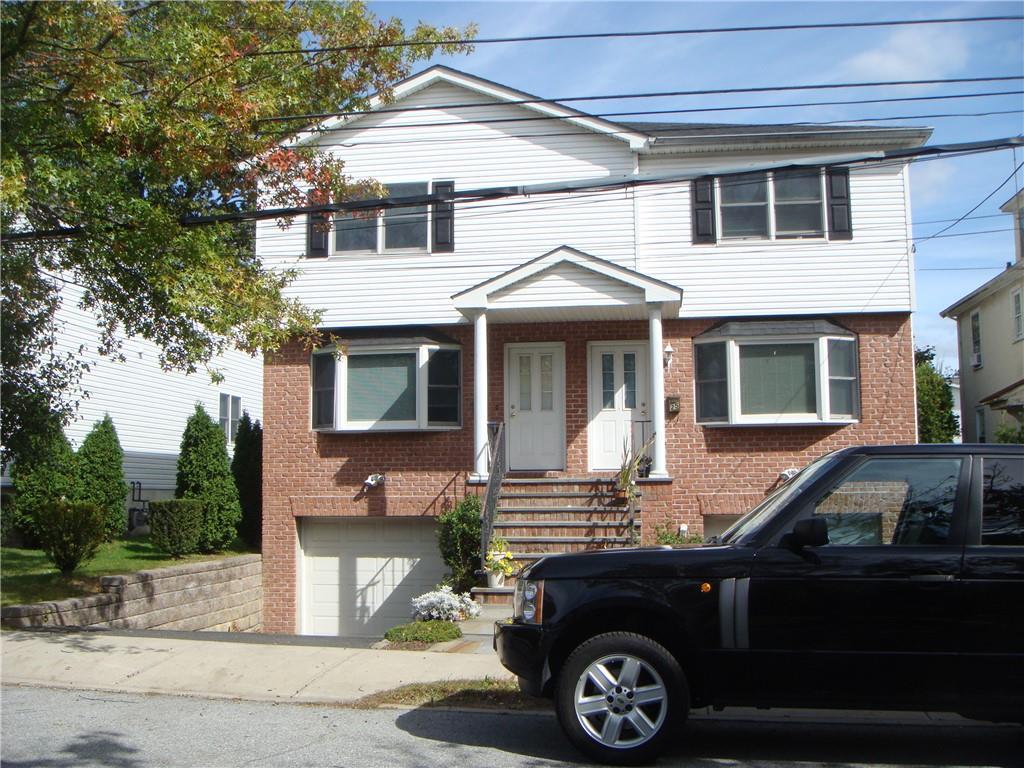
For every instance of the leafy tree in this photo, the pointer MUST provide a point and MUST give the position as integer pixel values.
(1010, 433)
(458, 532)
(100, 468)
(119, 119)
(247, 467)
(45, 475)
(204, 474)
(936, 422)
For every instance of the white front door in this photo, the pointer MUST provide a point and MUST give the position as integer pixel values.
(535, 406)
(619, 416)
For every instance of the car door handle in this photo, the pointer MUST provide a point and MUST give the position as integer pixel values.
(933, 577)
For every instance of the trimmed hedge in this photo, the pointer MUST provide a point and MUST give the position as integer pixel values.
(204, 474)
(100, 468)
(423, 632)
(70, 533)
(175, 525)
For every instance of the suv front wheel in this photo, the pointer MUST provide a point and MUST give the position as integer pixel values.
(619, 697)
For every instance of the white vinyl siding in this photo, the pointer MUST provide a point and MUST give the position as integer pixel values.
(149, 405)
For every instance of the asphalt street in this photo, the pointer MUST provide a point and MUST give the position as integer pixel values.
(46, 728)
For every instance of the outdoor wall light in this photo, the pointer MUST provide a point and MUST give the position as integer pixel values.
(373, 480)
(667, 355)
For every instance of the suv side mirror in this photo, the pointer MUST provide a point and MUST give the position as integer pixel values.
(812, 532)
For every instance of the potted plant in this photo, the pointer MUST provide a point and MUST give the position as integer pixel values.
(499, 563)
(634, 464)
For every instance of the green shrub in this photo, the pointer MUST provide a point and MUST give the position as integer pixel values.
(44, 476)
(1008, 433)
(100, 468)
(70, 533)
(204, 474)
(458, 531)
(663, 534)
(175, 525)
(423, 632)
(247, 468)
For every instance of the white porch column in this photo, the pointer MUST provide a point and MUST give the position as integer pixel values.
(480, 446)
(658, 465)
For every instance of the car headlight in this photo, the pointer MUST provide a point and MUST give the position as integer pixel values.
(528, 601)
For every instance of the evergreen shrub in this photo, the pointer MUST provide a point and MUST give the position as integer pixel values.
(175, 525)
(458, 531)
(247, 468)
(100, 469)
(43, 476)
(70, 533)
(204, 474)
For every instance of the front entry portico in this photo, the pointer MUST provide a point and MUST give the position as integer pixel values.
(625, 378)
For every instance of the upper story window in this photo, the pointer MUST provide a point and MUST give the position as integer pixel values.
(230, 414)
(775, 205)
(417, 227)
(1017, 311)
(777, 373)
(976, 339)
(406, 385)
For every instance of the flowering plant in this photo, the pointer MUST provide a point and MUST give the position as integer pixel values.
(499, 559)
(444, 605)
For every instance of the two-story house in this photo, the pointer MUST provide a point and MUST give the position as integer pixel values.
(990, 335)
(744, 309)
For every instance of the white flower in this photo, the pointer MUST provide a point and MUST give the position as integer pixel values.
(444, 605)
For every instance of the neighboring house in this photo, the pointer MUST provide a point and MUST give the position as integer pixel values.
(990, 330)
(150, 406)
(745, 324)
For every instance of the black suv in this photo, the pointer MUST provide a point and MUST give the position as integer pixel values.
(877, 577)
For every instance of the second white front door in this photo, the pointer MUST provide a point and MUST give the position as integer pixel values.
(535, 406)
(619, 416)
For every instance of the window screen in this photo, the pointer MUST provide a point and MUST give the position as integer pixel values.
(777, 378)
(744, 206)
(406, 227)
(443, 387)
(712, 382)
(798, 209)
(842, 378)
(324, 367)
(382, 387)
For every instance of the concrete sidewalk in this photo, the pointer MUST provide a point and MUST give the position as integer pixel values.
(224, 668)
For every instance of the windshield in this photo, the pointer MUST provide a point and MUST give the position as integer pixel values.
(755, 518)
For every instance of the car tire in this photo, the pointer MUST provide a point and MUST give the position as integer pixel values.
(619, 697)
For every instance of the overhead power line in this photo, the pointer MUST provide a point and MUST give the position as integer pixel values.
(652, 95)
(639, 33)
(987, 197)
(651, 112)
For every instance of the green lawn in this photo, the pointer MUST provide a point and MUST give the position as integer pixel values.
(26, 576)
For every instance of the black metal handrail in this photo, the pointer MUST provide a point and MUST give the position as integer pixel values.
(495, 475)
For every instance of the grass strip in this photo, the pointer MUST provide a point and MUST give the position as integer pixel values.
(488, 693)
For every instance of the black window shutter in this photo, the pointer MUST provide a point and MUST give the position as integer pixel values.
(840, 223)
(443, 230)
(318, 233)
(702, 195)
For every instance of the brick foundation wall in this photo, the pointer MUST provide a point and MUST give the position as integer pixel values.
(714, 470)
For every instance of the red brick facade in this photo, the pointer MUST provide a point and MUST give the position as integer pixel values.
(714, 470)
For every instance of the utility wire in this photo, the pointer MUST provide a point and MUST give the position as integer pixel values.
(988, 197)
(651, 95)
(640, 33)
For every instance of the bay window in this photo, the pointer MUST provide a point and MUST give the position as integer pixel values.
(408, 386)
(776, 373)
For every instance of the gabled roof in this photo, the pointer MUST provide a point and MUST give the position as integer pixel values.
(638, 135)
(1012, 272)
(615, 285)
(442, 74)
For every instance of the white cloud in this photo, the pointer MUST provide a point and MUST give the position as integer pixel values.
(916, 53)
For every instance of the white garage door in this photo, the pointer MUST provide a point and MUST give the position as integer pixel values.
(358, 576)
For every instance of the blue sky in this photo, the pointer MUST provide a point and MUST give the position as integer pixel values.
(941, 190)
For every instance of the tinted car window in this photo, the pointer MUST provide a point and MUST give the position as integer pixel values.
(1002, 516)
(893, 501)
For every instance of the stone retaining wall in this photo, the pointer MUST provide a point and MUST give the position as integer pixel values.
(225, 595)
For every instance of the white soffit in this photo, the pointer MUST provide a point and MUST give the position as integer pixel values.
(566, 282)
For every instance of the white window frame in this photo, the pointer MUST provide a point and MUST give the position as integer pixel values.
(226, 423)
(379, 223)
(821, 382)
(772, 234)
(980, 433)
(1017, 313)
(419, 424)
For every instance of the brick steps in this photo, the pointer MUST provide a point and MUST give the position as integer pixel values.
(539, 516)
